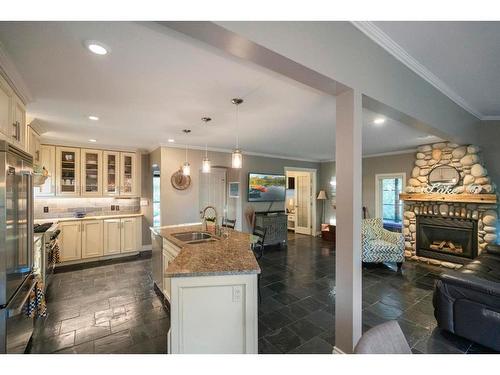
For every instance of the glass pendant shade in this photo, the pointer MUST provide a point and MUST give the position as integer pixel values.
(237, 159)
(186, 169)
(205, 165)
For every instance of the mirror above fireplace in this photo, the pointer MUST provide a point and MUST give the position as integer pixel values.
(444, 175)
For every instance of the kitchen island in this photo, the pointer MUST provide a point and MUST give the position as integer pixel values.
(210, 283)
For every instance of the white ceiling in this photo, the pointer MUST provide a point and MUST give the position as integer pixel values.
(156, 82)
(462, 59)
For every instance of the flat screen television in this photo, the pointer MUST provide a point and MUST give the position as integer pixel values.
(266, 187)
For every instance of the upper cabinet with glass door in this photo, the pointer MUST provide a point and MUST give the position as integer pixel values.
(68, 171)
(128, 174)
(91, 172)
(111, 175)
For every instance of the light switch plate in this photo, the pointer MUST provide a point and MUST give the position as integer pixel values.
(236, 294)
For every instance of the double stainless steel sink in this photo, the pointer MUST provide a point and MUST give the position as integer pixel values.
(194, 237)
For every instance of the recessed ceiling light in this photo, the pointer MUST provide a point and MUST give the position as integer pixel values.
(93, 140)
(171, 140)
(94, 118)
(96, 47)
(379, 121)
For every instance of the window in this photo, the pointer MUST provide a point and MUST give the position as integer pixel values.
(389, 206)
(156, 199)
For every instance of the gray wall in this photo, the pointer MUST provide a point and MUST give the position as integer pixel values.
(183, 206)
(371, 167)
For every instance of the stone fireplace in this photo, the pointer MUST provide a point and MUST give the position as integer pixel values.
(448, 221)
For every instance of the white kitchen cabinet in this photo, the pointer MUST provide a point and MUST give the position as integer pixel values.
(91, 173)
(228, 302)
(112, 236)
(128, 174)
(5, 108)
(48, 161)
(131, 237)
(70, 241)
(34, 145)
(19, 123)
(68, 171)
(122, 235)
(92, 238)
(111, 173)
(12, 116)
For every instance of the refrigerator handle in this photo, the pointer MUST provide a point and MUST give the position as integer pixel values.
(29, 203)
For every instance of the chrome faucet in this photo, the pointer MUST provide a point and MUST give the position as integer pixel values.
(205, 217)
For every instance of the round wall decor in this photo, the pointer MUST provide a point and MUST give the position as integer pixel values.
(180, 181)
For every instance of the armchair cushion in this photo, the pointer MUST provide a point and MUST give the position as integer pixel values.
(380, 245)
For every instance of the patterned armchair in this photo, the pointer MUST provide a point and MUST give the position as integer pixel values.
(381, 245)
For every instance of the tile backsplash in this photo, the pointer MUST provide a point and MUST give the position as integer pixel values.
(68, 207)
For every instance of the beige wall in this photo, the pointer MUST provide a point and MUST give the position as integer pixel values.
(183, 206)
(371, 167)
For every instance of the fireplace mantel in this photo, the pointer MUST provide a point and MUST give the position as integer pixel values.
(464, 198)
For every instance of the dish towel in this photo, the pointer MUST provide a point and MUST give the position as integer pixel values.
(36, 307)
(54, 254)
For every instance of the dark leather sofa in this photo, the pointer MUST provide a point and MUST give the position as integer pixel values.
(467, 301)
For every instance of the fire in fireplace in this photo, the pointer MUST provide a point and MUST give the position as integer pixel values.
(447, 239)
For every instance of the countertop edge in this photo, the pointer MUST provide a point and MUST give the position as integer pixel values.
(100, 217)
(183, 247)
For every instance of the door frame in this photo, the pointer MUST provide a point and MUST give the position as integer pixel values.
(314, 183)
(377, 190)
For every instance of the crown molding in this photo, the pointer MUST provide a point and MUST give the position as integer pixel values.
(87, 145)
(382, 39)
(9, 71)
(490, 118)
(229, 151)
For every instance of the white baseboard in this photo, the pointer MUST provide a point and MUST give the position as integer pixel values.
(147, 247)
(337, 351)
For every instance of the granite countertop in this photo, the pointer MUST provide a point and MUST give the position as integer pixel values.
(230, 256)
(98, 217)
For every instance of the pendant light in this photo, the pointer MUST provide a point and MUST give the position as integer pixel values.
(186, 167)
(205, 164)
(237, 157)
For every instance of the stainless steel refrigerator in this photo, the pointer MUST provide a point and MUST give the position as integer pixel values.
(16, 247)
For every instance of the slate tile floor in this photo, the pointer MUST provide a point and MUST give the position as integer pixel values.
(296, 314)
(113, 309)
(106, 309)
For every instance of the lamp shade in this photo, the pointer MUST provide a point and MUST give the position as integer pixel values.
(186, 169)
(205, 165)
(322, 195)
(236, 159)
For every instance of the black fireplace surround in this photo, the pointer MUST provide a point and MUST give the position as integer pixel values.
(446, 239)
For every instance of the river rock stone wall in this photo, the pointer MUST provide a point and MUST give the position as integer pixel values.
(473, 177)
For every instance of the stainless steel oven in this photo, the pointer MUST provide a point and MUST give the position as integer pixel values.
(16, 246)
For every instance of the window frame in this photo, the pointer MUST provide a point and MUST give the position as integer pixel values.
(378, 192)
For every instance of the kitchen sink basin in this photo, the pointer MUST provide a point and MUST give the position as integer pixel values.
(193, 237)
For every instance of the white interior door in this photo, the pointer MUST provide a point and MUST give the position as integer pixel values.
(213, 190)
(303, 203)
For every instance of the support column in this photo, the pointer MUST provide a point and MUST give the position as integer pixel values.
(348, 147)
